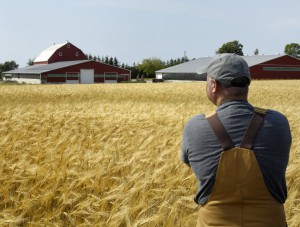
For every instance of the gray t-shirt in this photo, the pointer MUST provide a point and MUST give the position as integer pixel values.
(201, 149)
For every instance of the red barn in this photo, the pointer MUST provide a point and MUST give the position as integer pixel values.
(65, 63)
(274, 67)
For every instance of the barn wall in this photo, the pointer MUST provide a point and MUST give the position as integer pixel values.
(68, 52)
(285, 67)
(103, 73)
(24, 80)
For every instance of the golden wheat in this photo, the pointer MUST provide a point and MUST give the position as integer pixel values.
(108, 155)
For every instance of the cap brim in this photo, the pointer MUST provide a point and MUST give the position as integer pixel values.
(202, 70)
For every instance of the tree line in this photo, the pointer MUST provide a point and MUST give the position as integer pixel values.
(147, 67)
(7, 66)
(292, 49)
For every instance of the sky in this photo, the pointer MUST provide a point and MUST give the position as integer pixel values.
(133, 30)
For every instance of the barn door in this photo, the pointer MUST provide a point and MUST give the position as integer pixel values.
(87, 76)
(110, 77)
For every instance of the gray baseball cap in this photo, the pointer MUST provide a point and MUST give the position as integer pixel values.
(229, 69)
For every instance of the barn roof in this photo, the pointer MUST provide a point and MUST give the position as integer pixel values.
(41, 68)
(258, 59)
(198, 65)
(187, 67)
(46, 54)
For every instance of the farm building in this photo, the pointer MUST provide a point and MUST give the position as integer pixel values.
(261, 67)
(65, 63)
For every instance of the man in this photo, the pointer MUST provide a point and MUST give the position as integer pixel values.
(239, 153)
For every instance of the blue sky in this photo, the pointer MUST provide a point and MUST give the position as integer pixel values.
(133, 30)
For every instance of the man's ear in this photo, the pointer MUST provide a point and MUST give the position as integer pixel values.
(214, 86)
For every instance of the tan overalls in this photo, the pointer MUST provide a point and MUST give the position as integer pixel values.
(240, 196)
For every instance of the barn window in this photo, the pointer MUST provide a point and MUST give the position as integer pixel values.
(68, 45)
(72, 76)
(281, 68)
(76, 54)
(60, 53)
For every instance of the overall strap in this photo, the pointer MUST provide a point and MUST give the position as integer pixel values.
(249, 137)
(220, 131)
(253, 127)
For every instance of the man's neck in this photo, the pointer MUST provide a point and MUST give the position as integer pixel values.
(222, 100)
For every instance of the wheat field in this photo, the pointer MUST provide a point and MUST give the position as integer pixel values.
(108, 154)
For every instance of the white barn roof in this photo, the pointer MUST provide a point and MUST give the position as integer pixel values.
(258, 59)
(197, 65)
(42, 68)
(46, 54)
(192, 66)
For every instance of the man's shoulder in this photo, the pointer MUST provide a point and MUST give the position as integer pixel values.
(275, 115)
(196, 118)
(196, 121)
(277, 121)
(270, 113)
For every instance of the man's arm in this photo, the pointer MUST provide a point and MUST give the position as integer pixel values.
(184, 147)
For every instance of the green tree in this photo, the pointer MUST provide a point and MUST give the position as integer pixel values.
(292, 49)
(7, 66)
(256, 52)
(116, 62)
(111, 61)
(30, 62)
(231, 47)
(184, 59)
(134, 70)
(150, 65)
(106, 59)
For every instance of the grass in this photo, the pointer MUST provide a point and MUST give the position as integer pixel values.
(108, 154)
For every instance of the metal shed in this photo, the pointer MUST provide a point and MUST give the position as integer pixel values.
(278, 66)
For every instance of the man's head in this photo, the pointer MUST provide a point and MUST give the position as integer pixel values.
(230, 70)
(228, 77)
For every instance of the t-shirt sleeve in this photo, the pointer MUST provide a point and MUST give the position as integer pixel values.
(184, 147)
